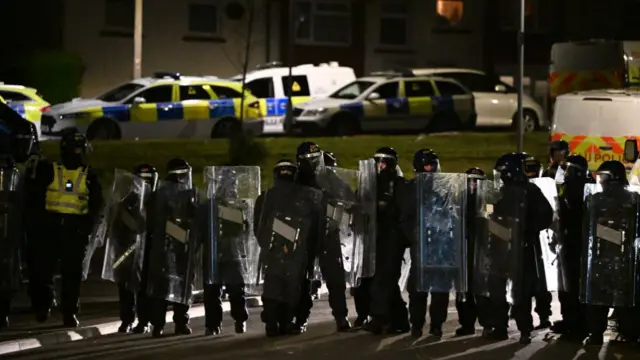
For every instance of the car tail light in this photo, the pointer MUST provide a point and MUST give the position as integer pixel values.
(255, 105)
(45, 108)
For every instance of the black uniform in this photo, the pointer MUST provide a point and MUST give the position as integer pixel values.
(471, 306)
(513, 169)
(137, 303)
(571, 211)
(17, 141)
(329, 254)
(66, 226)
(380, 296)
(180, 172)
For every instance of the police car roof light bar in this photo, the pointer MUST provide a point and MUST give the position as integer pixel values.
(270, 65)
(166, 74)
(394, 73)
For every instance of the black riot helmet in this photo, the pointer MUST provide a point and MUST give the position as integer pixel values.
(179, 171)
(612, 172)
(558, 150)
(532, 166)
(473, 175)
(426, 160)
(329, 159)
(575, 167)
(386, 159)
(148, 173)
(74, 147)
(309, 157)
(510, 168)
(285, 171)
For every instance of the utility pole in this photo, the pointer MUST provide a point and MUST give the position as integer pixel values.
(520, 116)
(247, 50)
(137, 40)
(293, 29)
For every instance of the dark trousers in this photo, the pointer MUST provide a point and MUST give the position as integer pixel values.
(159, 313)
(303, 310)
(543, 305)
(213, 304)
(132, 303)
(597, 319)
(362, 298)
(497, 305)
(276, 312)
(64, 242)
(467, 309)
(333, 274)
(385, 297)
(5, 304)
(438, 309)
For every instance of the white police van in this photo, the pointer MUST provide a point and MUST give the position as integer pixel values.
(269, 82)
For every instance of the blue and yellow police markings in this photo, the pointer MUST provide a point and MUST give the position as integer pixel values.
(401, 106)
(170, 111)
(278, 106)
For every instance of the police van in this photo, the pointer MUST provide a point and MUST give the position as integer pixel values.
(598, 124)
(269, 83)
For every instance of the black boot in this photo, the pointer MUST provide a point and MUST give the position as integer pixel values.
(499, 334)
(141, 328)
(594, 340)
(125, 327)
(298, 328)
(465, 330)
(360, 320)
(272, 330)
(544, 324)
(343, 325)
(70, 321)
(559, 327)
(182, 329)
(374, 326)
(215, 330)
(157, 332)
(435, 330)
(43, 315)
(416, 331)
(240, 327)
(4, 323)
(525, 338)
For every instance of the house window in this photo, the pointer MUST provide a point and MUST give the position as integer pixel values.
(449, 13)
(533, 11)
(203, 19)
(119, 14)
(323, 22)
(394, 22)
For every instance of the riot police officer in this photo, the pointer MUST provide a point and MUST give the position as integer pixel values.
(179, 172)
(469, 305)
(73, 203)
(132, 303)
(380, 296)
(424, 160)
(310, 159)
(516, 188)
(610, 209)
(571, 204)
(558, 151)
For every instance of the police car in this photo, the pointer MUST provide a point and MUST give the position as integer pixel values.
(166, 105)
(389, 101)
(269, 83)
(25, 101)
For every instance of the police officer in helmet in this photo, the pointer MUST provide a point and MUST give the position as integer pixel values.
(425, 160)
(380, 296)
(513, 169)
(179, 172)
(132, 303)
(470, 306)
(73, 204)
(558, 151)
(571, 213)
(310, 160)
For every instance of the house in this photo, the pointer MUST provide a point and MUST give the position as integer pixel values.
(207, 37)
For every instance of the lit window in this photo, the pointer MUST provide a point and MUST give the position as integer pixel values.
(449, 12)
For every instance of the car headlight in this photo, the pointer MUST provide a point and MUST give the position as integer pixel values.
(314, 112)
(73, 116)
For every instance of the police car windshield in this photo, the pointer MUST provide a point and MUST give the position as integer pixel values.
(352, 90)
(120, 93)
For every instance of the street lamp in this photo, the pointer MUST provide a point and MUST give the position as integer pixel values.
(520, 116)
(137, 40)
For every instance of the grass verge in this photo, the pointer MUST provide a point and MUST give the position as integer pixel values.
(458, 152)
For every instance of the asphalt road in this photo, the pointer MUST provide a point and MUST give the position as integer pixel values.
(320, 342)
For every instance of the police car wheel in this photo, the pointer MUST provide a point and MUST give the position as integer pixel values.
(531, 122)
(343, 125)
(104, 129)
(225, 128)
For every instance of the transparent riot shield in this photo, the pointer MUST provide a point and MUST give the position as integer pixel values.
(366, 218)
(126, 219)
(549, 237)
(234, 190)
(610, 250)
(11, 211)
(440, 261)
(499, 239)
(288, 234)
(175, 251)
(340, 188)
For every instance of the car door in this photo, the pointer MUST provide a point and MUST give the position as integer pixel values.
(492, 106)
(420, 93)
(274, 107)
(154, 113)
(385, 108)
(198, 107)
(453, 97)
